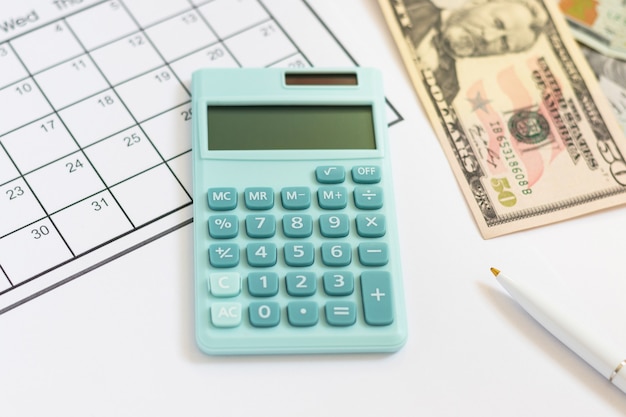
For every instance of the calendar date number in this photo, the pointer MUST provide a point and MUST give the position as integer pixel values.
(15, 192)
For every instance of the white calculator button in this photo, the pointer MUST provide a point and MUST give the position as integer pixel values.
(226, 314)
(225, 284)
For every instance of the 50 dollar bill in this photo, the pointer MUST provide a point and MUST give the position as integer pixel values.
(519, 114)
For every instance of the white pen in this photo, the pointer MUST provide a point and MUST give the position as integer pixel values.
(607, 360)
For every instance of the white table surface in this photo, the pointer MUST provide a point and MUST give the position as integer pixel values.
(119, 340)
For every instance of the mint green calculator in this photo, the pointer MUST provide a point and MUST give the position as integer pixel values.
(295, 236)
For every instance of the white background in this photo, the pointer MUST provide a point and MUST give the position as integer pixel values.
(119, 340)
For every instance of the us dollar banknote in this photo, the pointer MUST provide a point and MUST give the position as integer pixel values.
(611, 74)
(527, 131)
(600, 24)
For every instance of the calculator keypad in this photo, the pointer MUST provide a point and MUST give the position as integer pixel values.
(279, 257)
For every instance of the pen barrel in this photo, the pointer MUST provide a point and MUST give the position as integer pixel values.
(582, 340)
(618, 377)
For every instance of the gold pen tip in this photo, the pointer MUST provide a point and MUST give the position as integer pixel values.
(495, 271)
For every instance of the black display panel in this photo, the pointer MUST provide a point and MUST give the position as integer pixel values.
(290, 127)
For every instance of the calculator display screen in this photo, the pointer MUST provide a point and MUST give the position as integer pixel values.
(290, 127)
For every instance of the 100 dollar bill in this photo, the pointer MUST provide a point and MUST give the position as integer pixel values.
(518, 112)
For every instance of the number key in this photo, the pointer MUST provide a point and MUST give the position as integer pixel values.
(263, 284)
(264, 314)
(338, 283)
(336, 254)
(299, 254)
(261, 254)
(301, 284)
(260, 226)
(297, 226)
(334, 225)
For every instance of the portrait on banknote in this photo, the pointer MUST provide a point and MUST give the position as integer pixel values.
(470, 28)
(518, 112)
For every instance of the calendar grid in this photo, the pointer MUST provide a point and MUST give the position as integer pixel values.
(195, 7)
(5, 275)
(111, 86)
(288, 36)
(142, 30)
(94, 142)
(56, 113)
(21, 175)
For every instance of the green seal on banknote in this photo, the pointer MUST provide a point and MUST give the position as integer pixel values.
(529, 127)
